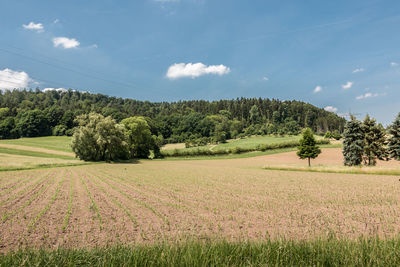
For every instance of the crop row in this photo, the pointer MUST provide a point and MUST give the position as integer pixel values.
(137, 201)
(27, 188)
(7, 215)
(116, 202)
(69, 210)
(93, 204)
(32, 224)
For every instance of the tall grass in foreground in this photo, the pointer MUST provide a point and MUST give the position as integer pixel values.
(333, 252)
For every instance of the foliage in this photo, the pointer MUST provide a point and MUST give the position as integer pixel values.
(308, 148)
(32, 123)
(394, 139)
(374, 140)
(139, 137)
(98, 138)
(353, 143)
(37, 113)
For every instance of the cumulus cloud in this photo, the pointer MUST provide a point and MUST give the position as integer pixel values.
(34, 26)
(65, 42)
(358, 70)
(10, 79)
(394, 64)
(348, 85)
(369, 95)
(60, 90)
(317, 89)
(265, 78)
(180, 70)
(330, 109)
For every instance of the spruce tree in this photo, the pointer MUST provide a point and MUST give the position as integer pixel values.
(374, 139)
(394, 139)
(308, 148)
(353, 143)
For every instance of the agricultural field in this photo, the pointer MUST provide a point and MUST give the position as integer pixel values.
(269, 202)
(157, 201)
(33, 153)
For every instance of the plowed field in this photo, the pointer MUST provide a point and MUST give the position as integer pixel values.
(236, 199)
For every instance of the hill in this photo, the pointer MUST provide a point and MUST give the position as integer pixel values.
(30, 113)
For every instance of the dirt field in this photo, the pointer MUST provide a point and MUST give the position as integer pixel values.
(171, 200)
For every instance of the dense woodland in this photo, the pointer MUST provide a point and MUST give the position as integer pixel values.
(29, 113)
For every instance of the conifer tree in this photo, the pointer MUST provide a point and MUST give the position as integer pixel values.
(308, 148)
(394, 139)
(353, 143)
(374, 139)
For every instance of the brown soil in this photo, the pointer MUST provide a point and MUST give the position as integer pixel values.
(170, 200)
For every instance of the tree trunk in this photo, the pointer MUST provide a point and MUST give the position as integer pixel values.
(309, 163)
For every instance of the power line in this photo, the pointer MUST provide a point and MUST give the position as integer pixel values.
(65, 68)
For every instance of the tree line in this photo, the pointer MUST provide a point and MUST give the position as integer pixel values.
(365, 141)
(31, 113)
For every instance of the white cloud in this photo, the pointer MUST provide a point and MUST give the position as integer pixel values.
(34, 26)
(348, 85)
(369, 95)
(65, 42)
(94, 46)
(10, 79)
(358, 70)
(180, 70)
(56, 21)
(330, 109)
(394, 64)
(60, 90)
(317, 89)
(265, 78)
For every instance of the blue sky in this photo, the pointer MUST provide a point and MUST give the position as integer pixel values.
(339, 55)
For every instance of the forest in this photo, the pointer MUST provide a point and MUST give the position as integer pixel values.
(31, 113)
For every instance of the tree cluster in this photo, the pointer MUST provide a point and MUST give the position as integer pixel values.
(99, 138)
(366, 142)
(35, 113)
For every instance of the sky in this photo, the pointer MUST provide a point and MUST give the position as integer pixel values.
(343, 56)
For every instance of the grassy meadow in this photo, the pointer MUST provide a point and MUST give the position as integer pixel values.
(255, 208)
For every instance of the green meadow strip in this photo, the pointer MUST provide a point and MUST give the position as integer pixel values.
(350, 171)
(21, 152)
(47, 166)
(332, 252)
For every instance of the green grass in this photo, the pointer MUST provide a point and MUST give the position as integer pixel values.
(254, 141)
(59, 143)
(45, 166)
(354, 170)
(243, 155)
(19, 152)
(331, 252)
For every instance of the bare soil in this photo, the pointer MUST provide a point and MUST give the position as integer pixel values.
(172, 200)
